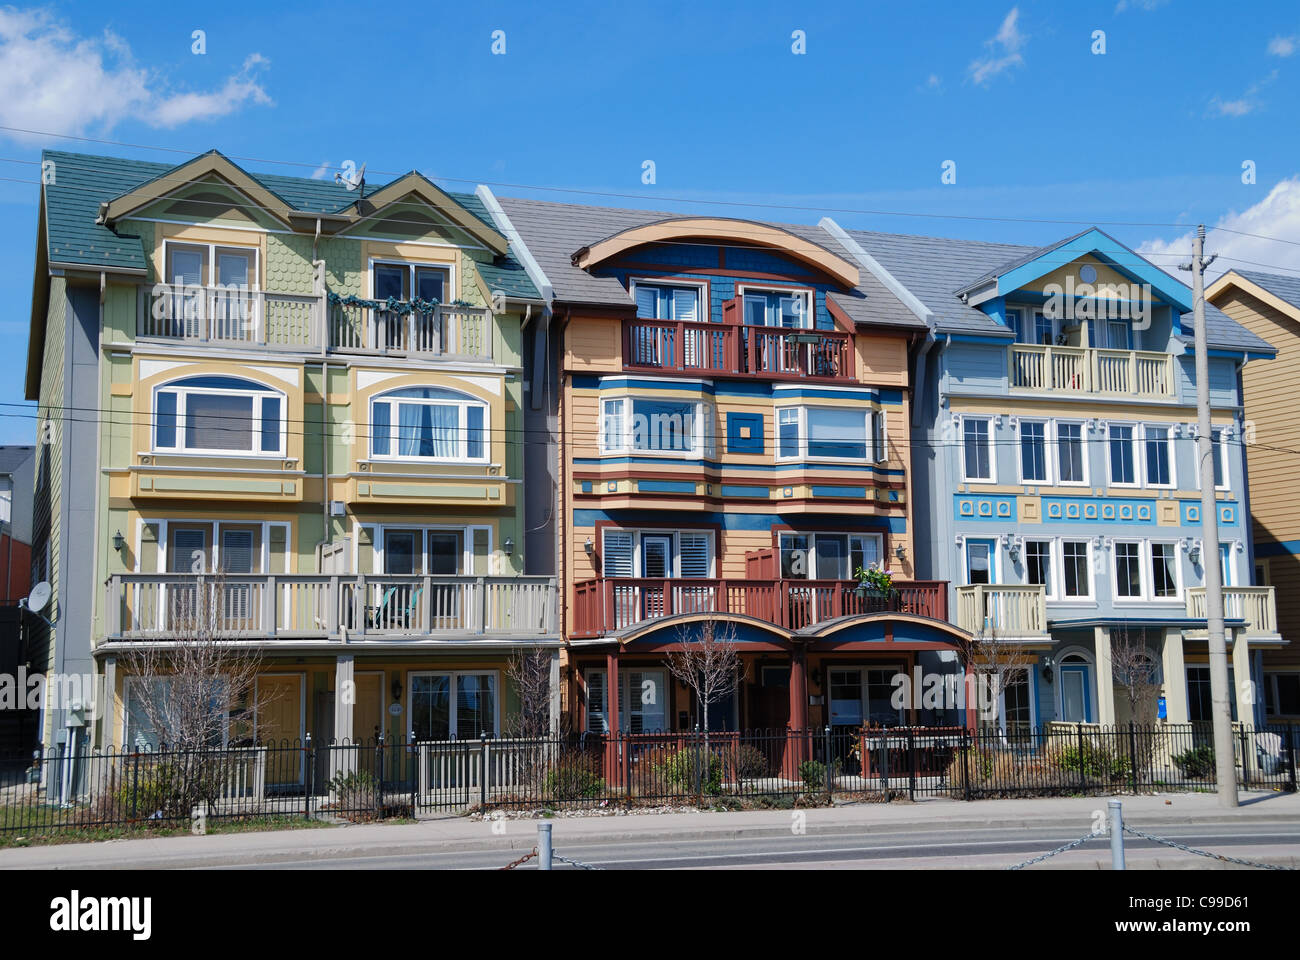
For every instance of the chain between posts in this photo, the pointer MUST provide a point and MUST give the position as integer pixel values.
(521, 861)
(1069, 846)
(1205, 853)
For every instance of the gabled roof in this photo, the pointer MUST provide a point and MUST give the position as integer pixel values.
(1280, 292)
(203, 166)
(422, 187)
(558, 233)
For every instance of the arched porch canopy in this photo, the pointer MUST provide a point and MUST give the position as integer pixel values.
(723, 230)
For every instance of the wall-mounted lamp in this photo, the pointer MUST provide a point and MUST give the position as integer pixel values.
(815, 677)
(900, 551)
(119, 541)
(508, 546)
(1193, 548)
(588, 546)
(1048, 664)
(397, 688)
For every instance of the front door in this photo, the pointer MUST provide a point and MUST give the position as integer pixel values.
(279, 710)
(769, 699)
(1075, 706)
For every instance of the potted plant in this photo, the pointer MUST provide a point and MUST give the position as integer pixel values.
(875, 581)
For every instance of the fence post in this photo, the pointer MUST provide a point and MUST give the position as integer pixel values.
(1132, 757)
(380, 778)
(911, 765)
(1116, 835)
(135, 780)
(624, 750)
(1292, 757)
(544, 845)
(309, 775)
(1245, 758)
(1083, 766)
(413, 763)
(696, 754)
(830, 779)
(965, 760)
(482, 773)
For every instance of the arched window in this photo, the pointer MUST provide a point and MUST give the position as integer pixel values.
(216, 414)
(428, 423)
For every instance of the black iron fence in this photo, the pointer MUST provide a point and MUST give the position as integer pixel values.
(102, 792)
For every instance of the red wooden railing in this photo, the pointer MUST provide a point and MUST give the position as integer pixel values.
(779, 353)
(608, 604)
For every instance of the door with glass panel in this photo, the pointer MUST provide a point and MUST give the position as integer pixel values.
(447, 709)
(188, 552)
(1076, 706)
(238, 553)
(233, 313)
(656, 564)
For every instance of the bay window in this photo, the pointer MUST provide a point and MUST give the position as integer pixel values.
(830, 433)
(428, 423)
(645, 425)
(219, 415)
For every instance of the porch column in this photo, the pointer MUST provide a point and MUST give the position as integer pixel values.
(612, 773)
(343, 761)
(555, 693)
(106, 706)
(1105, 677)
(799, 689)
(1175, 677)
(1241, 676)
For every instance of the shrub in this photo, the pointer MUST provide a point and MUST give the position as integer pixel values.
(577, 777)
(1092, 760)
(750, 762)
(813, 774)
(355, 796)
(680, 769)
(1196, 763)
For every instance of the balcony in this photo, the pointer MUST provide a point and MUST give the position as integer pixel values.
(1091, 371)
(1255, 605)
(220, 316)
(737, 350)
(154, 606)
(607, 605)
(1011, 611)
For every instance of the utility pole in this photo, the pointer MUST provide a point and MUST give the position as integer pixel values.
(1221, 691)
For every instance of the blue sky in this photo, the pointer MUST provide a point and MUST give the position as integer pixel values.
(1153, 131)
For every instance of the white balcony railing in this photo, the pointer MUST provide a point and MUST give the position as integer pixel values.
(453, 330)
(230, 316)
(324, 606)
(1088, 370)
(1012, 610)
(1256, 605)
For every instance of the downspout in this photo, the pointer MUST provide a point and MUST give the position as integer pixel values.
(918, 378)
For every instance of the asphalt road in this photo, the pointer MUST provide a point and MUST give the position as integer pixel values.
(928, 849)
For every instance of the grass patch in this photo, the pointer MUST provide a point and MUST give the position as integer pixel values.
(71, 833)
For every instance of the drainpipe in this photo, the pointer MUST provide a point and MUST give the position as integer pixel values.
(918, 379)
(324, 458)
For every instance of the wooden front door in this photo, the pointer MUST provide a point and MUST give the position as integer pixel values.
(280, 709)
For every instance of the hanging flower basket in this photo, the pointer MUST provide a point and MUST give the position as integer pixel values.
(874, 581)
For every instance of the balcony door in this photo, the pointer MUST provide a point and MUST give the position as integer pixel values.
(656, 564)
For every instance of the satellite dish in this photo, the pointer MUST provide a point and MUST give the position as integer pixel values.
(39, 597)
(358, 179)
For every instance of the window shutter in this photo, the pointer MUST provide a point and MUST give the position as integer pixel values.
(693, 551)
(617, 554)
(237, 551)
(596, 702)
(185, 543)
(686, 304)
(878, 434)
(647, 301)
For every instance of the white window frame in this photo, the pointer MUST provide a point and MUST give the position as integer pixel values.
(1134, 437)
(626, 703)
(182, 417)
(377, 532)
(1050, 587)
(1049, 448)
(989, 447)
(675, 534)
(873, 420)
(702, 295)
(210, 263)
(1089, 573)
(992, 544)
(411, 265)
(453, 696)
(812, 536)
(214, 541)
(1144, 572)
(703, 435)
(462, 427)
(806, 293)
(1144, 473)
(1179, 594)
(1056, 452)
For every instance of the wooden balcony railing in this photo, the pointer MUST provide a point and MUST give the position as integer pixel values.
(671, 346)
(608, 604)
(1088, 370)
(229, 316)
(326, 606)
(448, 330)
(1012, 610)
(1256, 605)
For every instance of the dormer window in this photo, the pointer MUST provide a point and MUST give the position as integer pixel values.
(777, 308)
(398, 280)
(661, 301)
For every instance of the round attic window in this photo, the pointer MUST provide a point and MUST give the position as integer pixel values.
(1088, 273)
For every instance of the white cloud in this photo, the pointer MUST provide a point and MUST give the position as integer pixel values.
(1277, 215)
(1240, 106)
(321, 172)
(1004, 50)
(1282, 46)
(933, 84)
(52, 79)
(1147, 5)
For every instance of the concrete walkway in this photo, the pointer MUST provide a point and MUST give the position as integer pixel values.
(1072, 815)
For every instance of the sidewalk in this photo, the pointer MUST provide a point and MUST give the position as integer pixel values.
(459, 833)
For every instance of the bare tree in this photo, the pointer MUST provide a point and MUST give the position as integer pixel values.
(529, 672)
(1137, 672)
(709, 666)
(995, 663)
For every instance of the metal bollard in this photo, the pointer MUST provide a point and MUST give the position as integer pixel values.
(1116, 835)
(544, 846)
